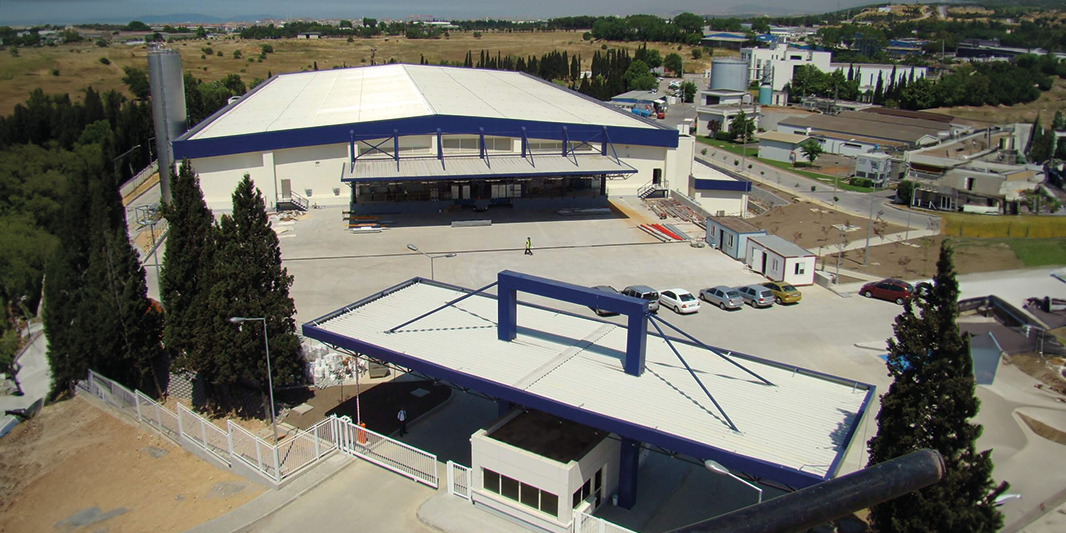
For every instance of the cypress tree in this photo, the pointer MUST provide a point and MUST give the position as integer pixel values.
(249, 281)
(879, 91)
(929, 405)
(185, 278)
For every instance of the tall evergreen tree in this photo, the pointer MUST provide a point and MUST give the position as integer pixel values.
(249, 281)
(185, 278)
(929, 405)
(879, 91)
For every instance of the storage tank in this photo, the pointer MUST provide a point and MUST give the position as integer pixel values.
(729, 74)
(766, 94)
(169, 115)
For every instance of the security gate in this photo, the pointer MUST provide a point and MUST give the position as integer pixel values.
(392, 454)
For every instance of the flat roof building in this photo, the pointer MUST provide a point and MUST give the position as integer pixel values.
(419, 138)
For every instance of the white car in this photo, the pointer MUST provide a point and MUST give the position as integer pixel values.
(680, 300)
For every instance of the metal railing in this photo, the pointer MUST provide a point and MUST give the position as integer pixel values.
(295, 199)
(394, 455)
(459, 480)
(275, 462)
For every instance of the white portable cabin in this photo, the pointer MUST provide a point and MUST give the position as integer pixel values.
(780, 260)
(730, 235)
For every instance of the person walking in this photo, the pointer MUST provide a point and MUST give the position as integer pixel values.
(402, 417)
(529, 246)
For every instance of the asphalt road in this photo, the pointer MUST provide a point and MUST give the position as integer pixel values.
(856, 203)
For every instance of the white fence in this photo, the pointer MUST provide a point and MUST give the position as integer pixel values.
(586, 523)
(392, 454)
(275, 462)
(459, 480)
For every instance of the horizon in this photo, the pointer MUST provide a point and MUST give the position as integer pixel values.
(39, 12)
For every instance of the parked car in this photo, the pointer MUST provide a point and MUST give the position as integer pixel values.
(784, 293)
(644, 292)
(604, 288)
(722, 296)
(756, 295)
(893, 290)
(680, 300)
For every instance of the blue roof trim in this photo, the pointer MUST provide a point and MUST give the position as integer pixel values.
(749, 465)
(424, 125)
(722, 185)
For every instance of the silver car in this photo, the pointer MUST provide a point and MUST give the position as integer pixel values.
(722, 296)
(757, 295)
(644, 292)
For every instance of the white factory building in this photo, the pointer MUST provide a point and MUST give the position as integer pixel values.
(419, 138)
(776, 66)
(867, 73)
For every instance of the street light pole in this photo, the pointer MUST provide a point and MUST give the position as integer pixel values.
(717, 468)
(270, 380)
(432, 273)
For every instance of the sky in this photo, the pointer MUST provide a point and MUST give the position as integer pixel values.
(71, 11)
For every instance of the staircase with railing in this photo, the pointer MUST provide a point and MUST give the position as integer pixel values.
(294, 202)
(652, 189)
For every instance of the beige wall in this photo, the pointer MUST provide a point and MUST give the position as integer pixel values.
(317, 168)
(219, 177)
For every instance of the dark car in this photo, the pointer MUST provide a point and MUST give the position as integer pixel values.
(604, 288)
(893, 290)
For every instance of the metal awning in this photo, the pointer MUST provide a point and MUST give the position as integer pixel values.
(539, 165)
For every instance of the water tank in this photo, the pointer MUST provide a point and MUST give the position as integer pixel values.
(169, 115)
(766, 94)
(728, 74)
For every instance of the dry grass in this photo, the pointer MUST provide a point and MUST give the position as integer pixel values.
(1049, 102)
(79, 64)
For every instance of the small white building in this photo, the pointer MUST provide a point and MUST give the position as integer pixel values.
(780, 260)
(730, 235)
(718, 191)
(724, 115)
(874, 166)
(537, 469)
(779, 146)
(308, 35)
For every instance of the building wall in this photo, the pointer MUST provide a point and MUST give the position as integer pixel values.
(831, 146)
(220, 175)
(733, 244)
(314, 168)
(779, 268)
(722, 114)
(643, 158)
(800, 270)
(777, 150)
(545, 474)
(729, 203)
(868, 73)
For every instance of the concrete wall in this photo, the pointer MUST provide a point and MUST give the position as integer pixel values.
(317, 168)
(219, 177)
(643, 158)
(730, 203)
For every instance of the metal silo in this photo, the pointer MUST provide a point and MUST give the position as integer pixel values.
(729, 74)
(169, 115)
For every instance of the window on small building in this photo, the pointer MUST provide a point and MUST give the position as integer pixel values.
(730, 240)
(492, 481)
(800, 268)
(549, 503)
(509, 487)
(969, 184)
(774, 267)
(530, 496)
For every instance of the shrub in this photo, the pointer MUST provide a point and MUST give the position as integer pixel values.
(861, 182)
(236, 54)
(814, 188)
(208, 51)
(721, 136)
(101, 43)
(267, 49)
(704, 151)
(55, 72)
(603, 47)
(203, 56)
(219, 53)
(105, 61)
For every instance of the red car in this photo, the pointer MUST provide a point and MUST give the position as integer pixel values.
(893, 290)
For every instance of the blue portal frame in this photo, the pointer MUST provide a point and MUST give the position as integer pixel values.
(635, 309)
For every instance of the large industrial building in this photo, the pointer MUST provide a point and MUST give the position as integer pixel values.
(425, 139)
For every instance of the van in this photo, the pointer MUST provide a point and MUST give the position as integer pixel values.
(644, 292)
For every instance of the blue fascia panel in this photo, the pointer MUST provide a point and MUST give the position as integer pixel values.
(488, 176)
(722, 185)
(424, 125)
(749, 465)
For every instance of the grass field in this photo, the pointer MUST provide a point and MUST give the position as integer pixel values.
(1039, 252)
(79, 64)
(1033, 227)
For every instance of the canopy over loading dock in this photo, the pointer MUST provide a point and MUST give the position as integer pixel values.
(769, 420)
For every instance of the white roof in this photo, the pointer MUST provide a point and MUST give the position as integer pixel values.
(578, 362)
(364, 94)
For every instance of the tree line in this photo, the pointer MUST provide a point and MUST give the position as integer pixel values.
(992, 83)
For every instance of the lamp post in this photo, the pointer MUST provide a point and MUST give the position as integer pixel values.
(270, 381)
(432, 274)
(716, 468)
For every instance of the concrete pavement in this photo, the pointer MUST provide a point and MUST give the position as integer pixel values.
(35, 376)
